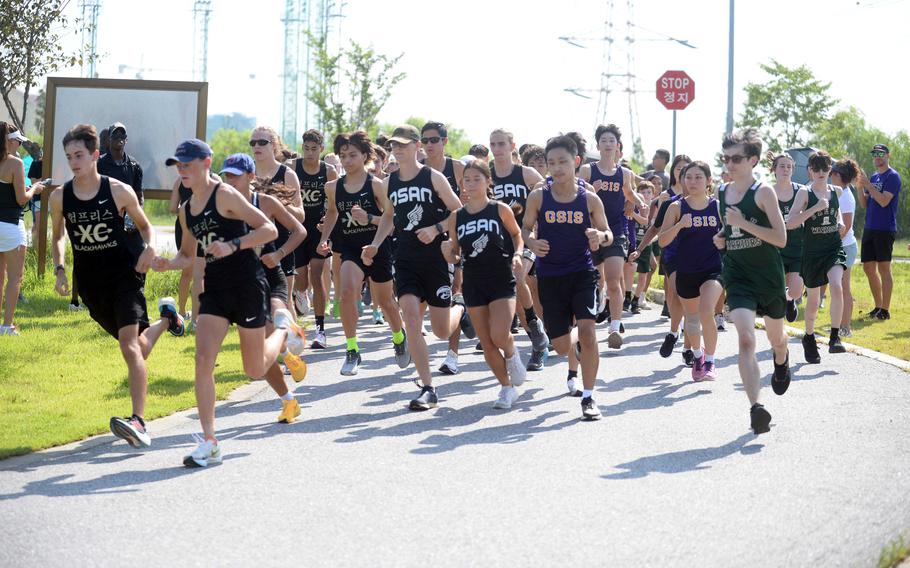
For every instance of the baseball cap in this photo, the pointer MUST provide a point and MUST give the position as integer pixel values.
(405, 134)
(238, 164)
(881, 148)
(189, 150)
(115, 127)
(16, 135)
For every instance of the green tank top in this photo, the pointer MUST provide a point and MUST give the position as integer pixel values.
(820, 233)
(794, 247)
(747, 256)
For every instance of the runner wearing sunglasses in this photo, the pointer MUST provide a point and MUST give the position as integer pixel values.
(792, 253)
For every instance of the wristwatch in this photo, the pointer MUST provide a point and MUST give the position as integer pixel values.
(236, 244)
(369, 218)
(59, 268)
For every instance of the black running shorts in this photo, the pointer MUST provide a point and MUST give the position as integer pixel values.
(278, 283)
(567, 298)
(307, 249)
(380, 270)
(245, 304)
(429, 278)
(481, 291)
(688, 284)
(619, 247)
(877, 246)
(114, 300)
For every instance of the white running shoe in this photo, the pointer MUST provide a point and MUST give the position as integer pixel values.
(295, 340)
(319, 342)
(301, 302)
(450, 365)
(719, 322)
(507, 397)
(206, 453)
(516, 369)
(602, 299)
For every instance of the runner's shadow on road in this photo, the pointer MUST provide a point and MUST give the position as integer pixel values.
(504, 434)
(684, 461)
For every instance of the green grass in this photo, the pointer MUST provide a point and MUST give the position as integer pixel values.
(894, 553)
(900, 248)
(64, 377)
(157, 212)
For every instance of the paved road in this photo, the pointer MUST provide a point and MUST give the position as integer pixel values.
(671, 477)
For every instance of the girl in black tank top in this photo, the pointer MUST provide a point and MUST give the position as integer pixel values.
(355, 235)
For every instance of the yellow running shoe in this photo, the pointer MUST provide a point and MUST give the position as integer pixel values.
(290, 410)
(296, 365)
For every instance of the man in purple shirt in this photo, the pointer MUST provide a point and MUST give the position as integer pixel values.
(879, 196)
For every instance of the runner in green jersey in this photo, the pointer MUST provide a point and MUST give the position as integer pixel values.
(792, 253)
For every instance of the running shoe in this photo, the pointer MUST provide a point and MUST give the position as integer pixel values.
(295, 366)
(132, 430)
(8, 330)
(167, 308)
(614, 340)
(360, 308)
(537, 335)
(688, 357)
(507, 397)
(603, 315)
(367, 296)
(666, 349)
(634, 307)
(883, 314)
(466, 328)
(450, 365)
(578, 350)
(426, 400)
(516, 369)
(627, 304)
(190, 326)
(377, 318)
(821, 303)
(780, 380)
(602, 299)
(874, 313)
(719, 322)
(792, 311)
(760, 419)
(708, 372)
(698, 368)
(810, 349)
(290, 410)
(835, 345)
(516, 325)
(570, 385)
(644, 304)
(537, 359)
(336, 309)
(351, 363)
(589, 410)
(207, 452)
(319, 342)
(479, 347)
(296, 340)
(301, 303)
(845, 332)
(402, 355)
(665, 313)
(75, 307)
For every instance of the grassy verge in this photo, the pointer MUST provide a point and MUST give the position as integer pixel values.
(894, 553)
(64, 377)
(900, 248)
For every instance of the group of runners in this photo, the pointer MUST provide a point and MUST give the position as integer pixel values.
(545, 239)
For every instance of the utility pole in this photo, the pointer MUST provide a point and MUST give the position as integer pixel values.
(90, 10)
(296, 18)
(202, 10)
(730, 76)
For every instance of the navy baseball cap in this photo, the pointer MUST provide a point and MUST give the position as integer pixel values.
(189, 150)
(881, 148)
(238, 164)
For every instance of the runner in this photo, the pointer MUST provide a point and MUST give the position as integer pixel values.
(239, 172)
(570, 222)
(312, 174)
(534, 157)
(753, 273)
(843, 174)
(227, 228)
(642, 256)
(477, 234)
(792, 254)
(511, 185)
(91, 208)
(353, 206)
(824, 260)
(416, 200)
(693, 222)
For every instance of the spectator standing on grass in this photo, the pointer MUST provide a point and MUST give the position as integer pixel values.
(34, 174)
(879, 196)
(659, 166)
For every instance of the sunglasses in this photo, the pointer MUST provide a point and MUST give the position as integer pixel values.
(254, 143)
(878, 154)
(431, 140)
(736, 158)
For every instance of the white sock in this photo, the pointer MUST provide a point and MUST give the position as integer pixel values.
(709, 358)
(453, 355)
(570, 383)
(586, 393)
(287, 396)
(698, 353)
(614, 325)
(674, 334)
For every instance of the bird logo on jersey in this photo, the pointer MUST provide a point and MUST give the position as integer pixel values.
(414, 217)
(480, 244)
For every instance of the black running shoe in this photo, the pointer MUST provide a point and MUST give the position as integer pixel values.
(665, 313)
(883, 314)
(536, 361)
(792, 311)
(666, 349)
(479, 347)
(516, 325)
(688, 357)
(589, 410)
(426, 400)
(351, 363)
(578, 350)
(835, 345)
(760, 419)
(810, 350)
(604, 315)
(780, 380)
(633, 307)
(627, 304)
(874, 313)
(466, 327)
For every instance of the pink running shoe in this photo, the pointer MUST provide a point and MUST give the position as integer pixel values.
(698, 369)
(708, 373)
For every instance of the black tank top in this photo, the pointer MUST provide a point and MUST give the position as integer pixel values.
(353, 234)
(10, 210)
(184, 194)
(283, 233)
(448, 170)
(416, 205)
(210, 226)
(511, 189)
(485, 246)
(95, 230)
(268, 247)
(312, 193)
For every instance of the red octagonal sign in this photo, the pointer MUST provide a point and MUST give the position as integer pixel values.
(675, 90)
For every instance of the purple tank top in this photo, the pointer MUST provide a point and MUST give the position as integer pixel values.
(609, 190)
(630, 227)
(563, 226)
(695, 248)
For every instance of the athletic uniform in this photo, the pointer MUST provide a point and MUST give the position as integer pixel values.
(184, 194)
(667, 253)
(792, 253)
(658, 221)
(486, 250)
(420, 269)
(353, 236)
(644, 260)
(448, 170)
(235, 285)
(699, 259)
(566, 277)
(289, 260)
(609, 189)
(103, 262)
(12, 227)
(753, 273)
(277, 281)
(312, 193)
(822, 248)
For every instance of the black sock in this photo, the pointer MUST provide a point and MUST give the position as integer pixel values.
(320, 323)
(572, 375)
(628, 295)
(530, 315)
(835, 333)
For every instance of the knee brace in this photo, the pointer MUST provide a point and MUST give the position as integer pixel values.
(693, 326)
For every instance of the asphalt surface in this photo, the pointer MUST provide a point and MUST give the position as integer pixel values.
(672, 476)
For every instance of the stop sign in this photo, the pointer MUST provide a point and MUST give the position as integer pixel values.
(675, 90)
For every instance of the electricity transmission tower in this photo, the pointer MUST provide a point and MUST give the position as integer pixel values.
(90, 10)
(202, 10)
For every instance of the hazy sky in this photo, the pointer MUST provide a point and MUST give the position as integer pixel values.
(484, 64)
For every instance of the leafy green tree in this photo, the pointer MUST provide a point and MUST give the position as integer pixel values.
(226, 141)
(787, 107)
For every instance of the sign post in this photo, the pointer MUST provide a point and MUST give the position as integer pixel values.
(675, 90)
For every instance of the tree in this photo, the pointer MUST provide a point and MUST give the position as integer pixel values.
(788, 107)
(31, 47)
(227, 141)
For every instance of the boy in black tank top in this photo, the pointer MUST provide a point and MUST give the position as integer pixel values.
(353, 216)
(111, 277)
(313, 174)
(416, 201)
(228, 228)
